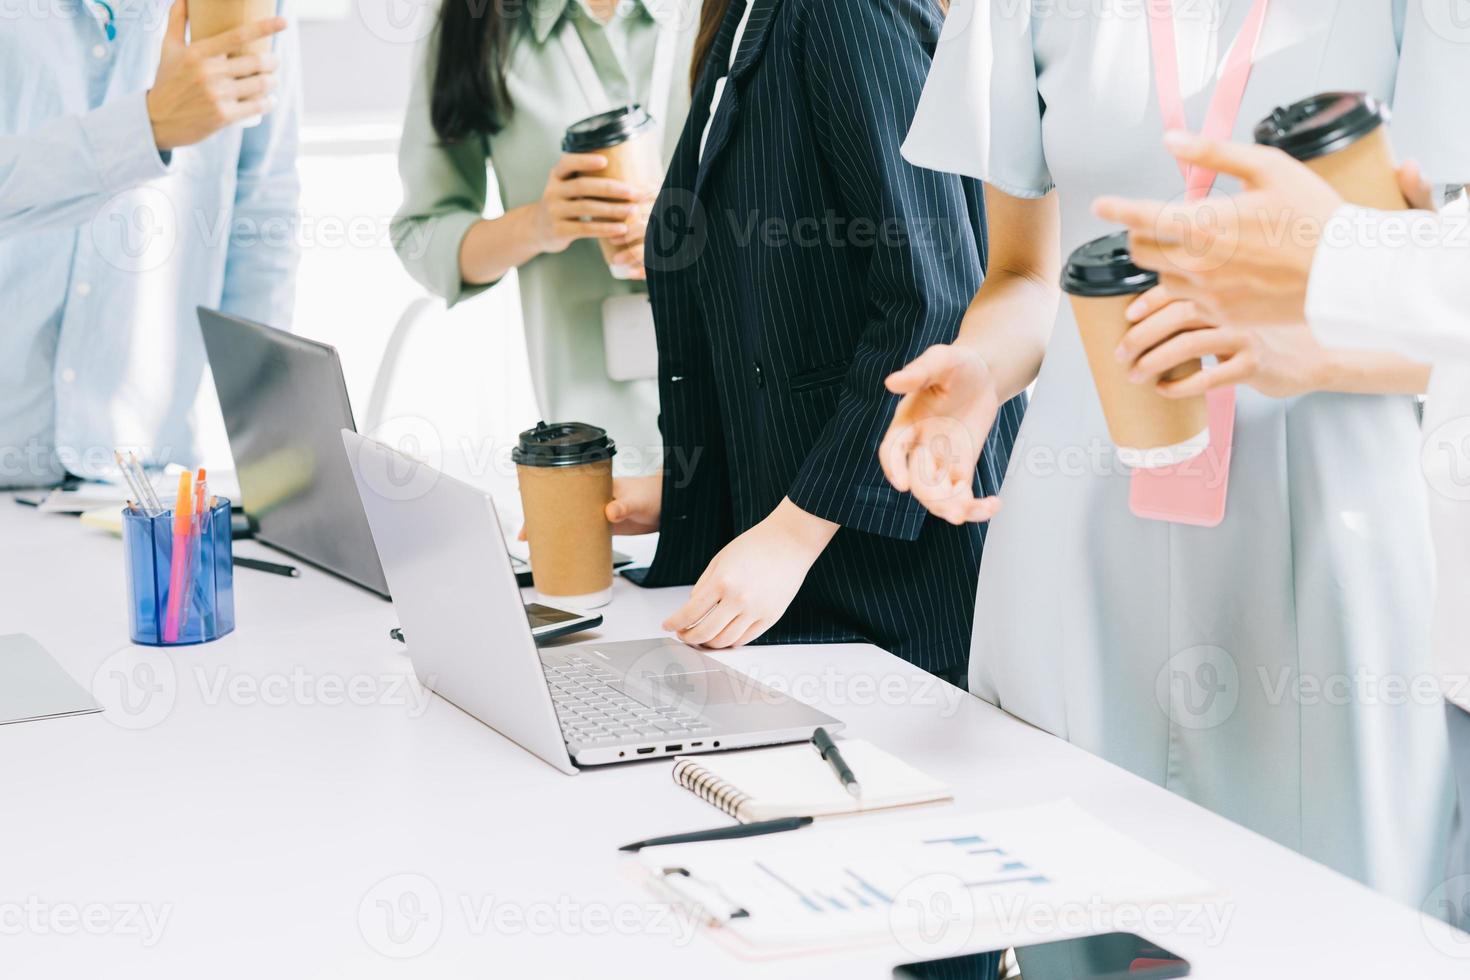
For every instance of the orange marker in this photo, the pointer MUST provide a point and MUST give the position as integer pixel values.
(178, 569)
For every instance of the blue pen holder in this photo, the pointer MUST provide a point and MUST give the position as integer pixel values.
(148, 544)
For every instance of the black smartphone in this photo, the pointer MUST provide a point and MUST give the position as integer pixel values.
(1113, 956)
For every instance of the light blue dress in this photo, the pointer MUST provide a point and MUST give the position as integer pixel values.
(1275, 669)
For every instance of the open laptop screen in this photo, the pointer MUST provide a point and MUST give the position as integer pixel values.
(285, 404)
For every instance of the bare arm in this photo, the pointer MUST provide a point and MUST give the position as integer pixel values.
(1009, 322)
(952, 392)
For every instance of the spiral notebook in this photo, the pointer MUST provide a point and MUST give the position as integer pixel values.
(793, 781)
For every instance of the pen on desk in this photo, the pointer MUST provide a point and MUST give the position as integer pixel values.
(256, 565)
(831, 755)
(724, 833)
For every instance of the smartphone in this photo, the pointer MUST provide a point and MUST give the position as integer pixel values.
(1113, 956)
(523, 567)
(547, 623)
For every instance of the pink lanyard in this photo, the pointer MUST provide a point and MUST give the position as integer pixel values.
(1226, 102)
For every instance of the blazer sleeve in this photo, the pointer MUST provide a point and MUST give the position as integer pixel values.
(444, 192)
(865, 66)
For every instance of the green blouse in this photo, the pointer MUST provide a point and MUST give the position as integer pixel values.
(445, 190)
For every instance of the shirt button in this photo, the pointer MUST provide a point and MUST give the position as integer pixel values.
(84, 289)
(99, 52)
(760, 375)
(68, 375)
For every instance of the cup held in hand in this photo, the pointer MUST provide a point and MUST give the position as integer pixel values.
(1149, 430)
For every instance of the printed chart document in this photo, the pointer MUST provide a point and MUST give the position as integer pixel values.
(943, 884)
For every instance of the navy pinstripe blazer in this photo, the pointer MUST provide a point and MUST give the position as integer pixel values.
(791, 270)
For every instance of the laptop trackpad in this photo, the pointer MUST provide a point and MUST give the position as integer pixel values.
(694, 689)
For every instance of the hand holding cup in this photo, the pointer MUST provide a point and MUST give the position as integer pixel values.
(204, 86)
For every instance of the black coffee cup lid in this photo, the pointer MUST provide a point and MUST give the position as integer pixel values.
(1322, 124)
(1104, 267)
(606, 129)
(563, 444)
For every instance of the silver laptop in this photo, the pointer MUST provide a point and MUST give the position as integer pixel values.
(588, 705)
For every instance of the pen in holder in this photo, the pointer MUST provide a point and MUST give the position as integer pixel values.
(206, 570)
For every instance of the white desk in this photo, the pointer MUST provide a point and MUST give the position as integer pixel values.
(263, 785)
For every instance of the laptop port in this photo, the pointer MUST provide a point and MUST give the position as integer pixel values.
(673, 748)
(695, 745)
(645, 751)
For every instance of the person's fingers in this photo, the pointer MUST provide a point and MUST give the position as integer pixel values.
(614, 191)
(1150, 333)
(572, 230)
(245, 65)
(629, 256)
(578, 163)
(252, 87)
(1234, 371)
(923, 370)
(1150, 303)
(1136, 215)
(178, 19)
(980, 511)
(1253, 164)
(1416, 189)
(581, 209)
(1185, 347)
(232, 41)
(616, 511)
(521, 534)
(701, 600)
(731, 634)
(752, 634)
(710, 625)
(250, 108)
(893, 452)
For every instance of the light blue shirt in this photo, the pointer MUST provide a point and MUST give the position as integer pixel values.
(107, 246)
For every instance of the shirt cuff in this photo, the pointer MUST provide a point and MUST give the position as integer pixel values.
(440, 260)
(120, 136)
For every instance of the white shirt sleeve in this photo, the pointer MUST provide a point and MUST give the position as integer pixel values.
(1395, 281)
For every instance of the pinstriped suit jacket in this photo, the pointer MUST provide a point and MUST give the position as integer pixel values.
(791, 270)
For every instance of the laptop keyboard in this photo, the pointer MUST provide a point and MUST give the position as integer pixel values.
(591, 710)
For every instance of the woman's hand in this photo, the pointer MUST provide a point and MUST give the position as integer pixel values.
(636, 505)
(574, 207)
(751, 582)
(934, 443)
(1168, 332)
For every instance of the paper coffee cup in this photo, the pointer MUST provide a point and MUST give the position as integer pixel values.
(1149, 430)
(211, 18)
(565, 474)
(1343, 136)
(629, 138)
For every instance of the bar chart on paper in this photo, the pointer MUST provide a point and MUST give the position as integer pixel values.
(974, 862)
(844, 883)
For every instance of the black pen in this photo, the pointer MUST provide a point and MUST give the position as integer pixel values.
(830, 754)
(724, 833)
(255, 564)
